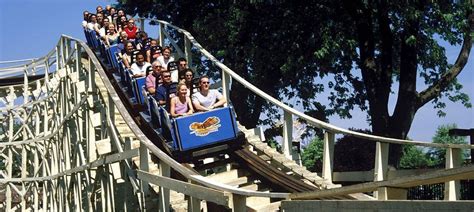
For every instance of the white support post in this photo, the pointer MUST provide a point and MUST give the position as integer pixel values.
(225, 86)
(381, 168)
(111, 110)
(142, 24)
(36, 171)
(58, 58)
(239, 203)
(61, 50)
(144, 155)
(194, 204)
(24, 155)
(8, 195)
(46, 72)
(144, 187)
(162, 34)
(452, 189)
(164, 201)
(287, 134)
(328, 156)
(187, 51)
(67, 47)
(77, 48)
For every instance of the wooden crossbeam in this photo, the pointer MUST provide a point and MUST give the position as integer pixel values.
(438, 176)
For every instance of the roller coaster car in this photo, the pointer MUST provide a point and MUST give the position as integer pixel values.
(189, 137)
(201, 133)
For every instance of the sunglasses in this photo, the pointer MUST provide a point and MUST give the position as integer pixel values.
(205, 83)
(167, 76)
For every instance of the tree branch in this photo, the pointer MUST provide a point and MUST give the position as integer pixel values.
(436, 89)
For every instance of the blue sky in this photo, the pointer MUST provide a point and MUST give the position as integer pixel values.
(31, 28)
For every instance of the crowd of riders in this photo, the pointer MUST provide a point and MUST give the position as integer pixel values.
(171, 82)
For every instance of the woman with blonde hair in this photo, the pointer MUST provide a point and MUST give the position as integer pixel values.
(181, 103)
(112, 37)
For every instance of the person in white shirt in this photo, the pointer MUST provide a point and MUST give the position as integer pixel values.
(103, 29)
(207, 99)
(166, 57)
(92, 21)
(140, 66)
(86, 18)
(100, 19)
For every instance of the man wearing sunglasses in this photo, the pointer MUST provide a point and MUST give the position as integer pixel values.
(163, 92)
(207, 99)
(153, 77)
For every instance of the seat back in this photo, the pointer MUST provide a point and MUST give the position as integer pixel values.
(137, 84)
(145, 95)
(154, 112)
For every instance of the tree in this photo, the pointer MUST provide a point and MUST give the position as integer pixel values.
(312, 155)
(442, 137)
(350, 154)
(364, 47)
(414, 158)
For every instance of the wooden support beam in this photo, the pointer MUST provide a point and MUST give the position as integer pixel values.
(208, 194)
(328, 156)
(162, 34)
(438, 176)
(452, 189)
(164, 201)
(187, 51)
(381, 167)
(239, 203)
(287, 134)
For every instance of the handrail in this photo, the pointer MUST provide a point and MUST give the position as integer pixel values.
(37, 62)
(312, 121)
(17, 61)
(6, 109)
(154, 149)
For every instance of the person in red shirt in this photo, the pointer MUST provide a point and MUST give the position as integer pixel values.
(131, 29)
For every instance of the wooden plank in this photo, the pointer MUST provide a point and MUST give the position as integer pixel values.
(81, 86)
(103, 146)
(95, 119)
(74, 77)
(201, 192)
(403, 182)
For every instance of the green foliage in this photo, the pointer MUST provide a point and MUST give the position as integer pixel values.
(274, 144)
(312, 155)
(354, 154)
(442, 137)
(414, 158)
(360, 47)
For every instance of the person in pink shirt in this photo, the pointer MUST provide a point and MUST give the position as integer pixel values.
(181, 103)
(150, 81)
